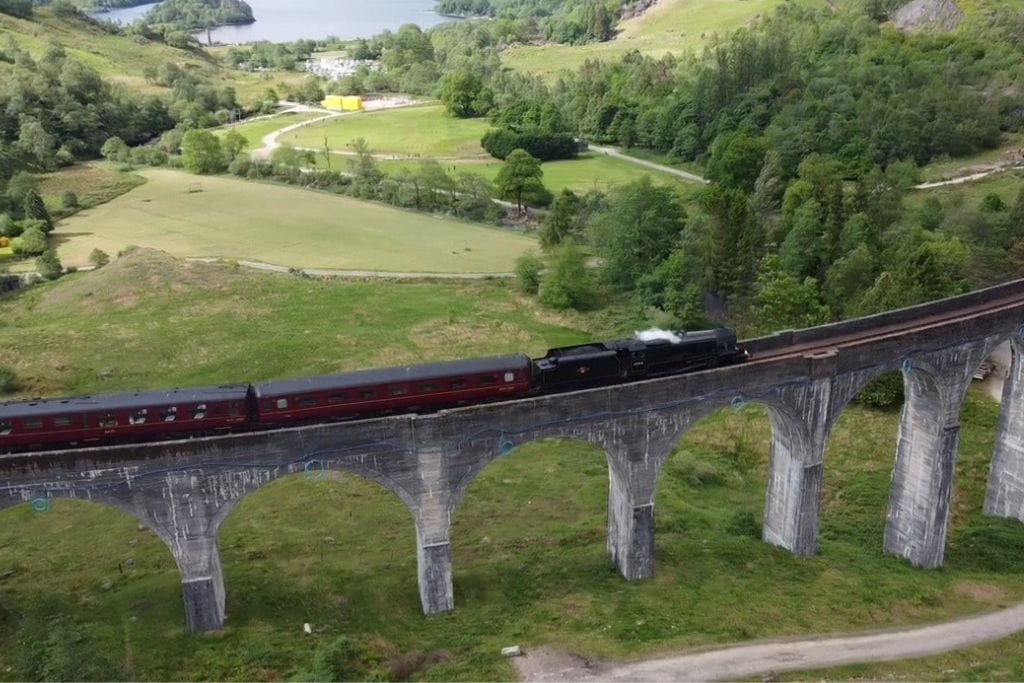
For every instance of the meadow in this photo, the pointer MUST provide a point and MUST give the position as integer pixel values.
(188, 215)
(675, 26)
(529, 558)
(413, 131)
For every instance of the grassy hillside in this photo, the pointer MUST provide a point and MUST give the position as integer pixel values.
(116, 57)
(529, 558)
(669, 26)
(189, 215)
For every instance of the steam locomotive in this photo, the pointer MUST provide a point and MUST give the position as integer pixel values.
(181, 413)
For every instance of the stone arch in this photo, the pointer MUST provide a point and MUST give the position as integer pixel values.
(309, 526)
(574, 461)
(328, 464)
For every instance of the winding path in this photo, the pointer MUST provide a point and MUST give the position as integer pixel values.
(968, 178)
(776, 657)
(685, 175)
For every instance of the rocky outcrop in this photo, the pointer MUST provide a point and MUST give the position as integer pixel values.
(943, 15)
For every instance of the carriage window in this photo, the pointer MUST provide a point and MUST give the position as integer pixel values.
(234, 410)
(139, 417)
(488, 379)
(366, 393)
(307, 401)
(107, 421)
(510, 376)
(398, 391)
(199, 412)
(6, 428)
(169, 415)
(63, 421)
(282, 403)
(428, 388)
(457, 384)
(336, 399)
(33, 423)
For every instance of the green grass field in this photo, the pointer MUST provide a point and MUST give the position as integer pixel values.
(588, 172)
(287, 226)
(424, 131)
(254, 131)
(1005, 184)
(93, 183)
(669, 26)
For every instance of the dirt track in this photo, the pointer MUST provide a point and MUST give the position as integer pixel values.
(762, 658)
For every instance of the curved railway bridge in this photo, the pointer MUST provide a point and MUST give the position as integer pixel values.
(184, 490)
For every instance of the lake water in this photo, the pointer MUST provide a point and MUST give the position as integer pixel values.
(287, 20)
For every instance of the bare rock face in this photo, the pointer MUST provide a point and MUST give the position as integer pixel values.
(943, 15)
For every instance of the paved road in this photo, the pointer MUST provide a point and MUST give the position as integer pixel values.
(612, 152)
(776, 657)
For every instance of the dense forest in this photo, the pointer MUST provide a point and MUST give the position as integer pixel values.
(560, 21)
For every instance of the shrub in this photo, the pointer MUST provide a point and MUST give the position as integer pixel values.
(69, 199)
(500, 142)
(49, 266)
(31, 242)
(528, 267)
(568, 285)
(336, 661)
(8, 380)
(4, 242)
(99, 258)
(744, 523)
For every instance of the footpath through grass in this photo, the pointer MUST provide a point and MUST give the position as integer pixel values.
(254, 131)
(201, 216)
(85, 594)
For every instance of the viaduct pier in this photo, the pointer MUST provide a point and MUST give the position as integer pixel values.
(184, 490)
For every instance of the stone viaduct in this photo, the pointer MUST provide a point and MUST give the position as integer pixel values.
(184, 490)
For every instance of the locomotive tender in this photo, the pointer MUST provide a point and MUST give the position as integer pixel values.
(181, 413)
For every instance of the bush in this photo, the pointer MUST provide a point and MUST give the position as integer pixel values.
(744, 523)
(336, 661)
(500, 142)
(69, 200)
(528, 267)
(49, 266)
(8, 380)
(98, 258)
(885, 393)
(568, 285)
(4, 242)
(31, 242)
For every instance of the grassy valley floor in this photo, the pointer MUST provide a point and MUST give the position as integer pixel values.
(528, 540)
(201, 216)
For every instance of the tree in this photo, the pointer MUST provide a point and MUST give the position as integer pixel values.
(519, 179)
(561, 222)
(783, 301)
(568, 285)
(733, 242)
(35, 209)
(201, 152)
(233, 143)
(736, 160)
(801, 252)
(642, 224)
(48, 265)
(464, 95)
